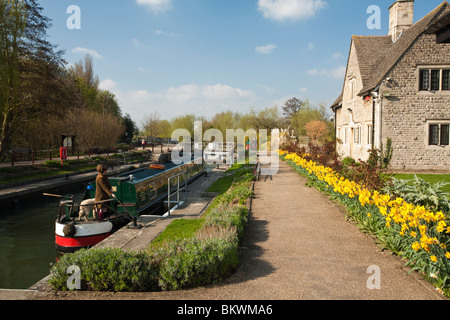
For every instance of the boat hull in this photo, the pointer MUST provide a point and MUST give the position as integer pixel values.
(72, 237)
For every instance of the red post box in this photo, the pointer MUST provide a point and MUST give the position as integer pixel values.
(63, 155)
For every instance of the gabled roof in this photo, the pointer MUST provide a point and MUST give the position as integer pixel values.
(377, 55)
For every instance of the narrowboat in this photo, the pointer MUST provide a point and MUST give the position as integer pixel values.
(139, 192)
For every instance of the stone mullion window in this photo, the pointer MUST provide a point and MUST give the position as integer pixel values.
(445, 79)
(424, 80)
(439, 135)
(433, 79)
(445, 135)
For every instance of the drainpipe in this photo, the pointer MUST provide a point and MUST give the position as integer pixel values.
(373, 122)
(376, 94)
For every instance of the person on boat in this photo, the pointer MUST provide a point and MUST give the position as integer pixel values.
(103, 191)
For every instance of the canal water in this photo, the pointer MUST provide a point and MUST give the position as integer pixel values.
(27, 242)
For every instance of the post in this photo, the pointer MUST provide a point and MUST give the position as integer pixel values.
(169, 189)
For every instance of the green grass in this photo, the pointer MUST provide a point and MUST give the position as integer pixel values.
(178, 229)
(431, 178)
(222, 185)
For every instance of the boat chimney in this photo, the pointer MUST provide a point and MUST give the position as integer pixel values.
(401, 17)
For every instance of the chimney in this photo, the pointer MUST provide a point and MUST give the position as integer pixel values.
(401, 17)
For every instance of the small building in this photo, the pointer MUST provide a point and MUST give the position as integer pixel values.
(398, 86)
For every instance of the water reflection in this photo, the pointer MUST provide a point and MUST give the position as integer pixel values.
(27, 243)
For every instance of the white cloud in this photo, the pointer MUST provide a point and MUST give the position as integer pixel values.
(183, 93)
(281, 10)
(220, 91)
(266, 49)
(107, 84)
(202, 100)
(156, 6)
(303, 89)
(337, 73)
(85, 51)
(310, 46)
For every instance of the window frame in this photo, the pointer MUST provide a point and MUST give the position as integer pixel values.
(438, 133)
(357, 135)
(427, 76)
(369, 131)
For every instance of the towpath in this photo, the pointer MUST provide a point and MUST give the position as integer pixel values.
(298, 246)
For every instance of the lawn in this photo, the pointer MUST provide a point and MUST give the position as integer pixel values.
(178, 229)
(431, 178)
(222, 185)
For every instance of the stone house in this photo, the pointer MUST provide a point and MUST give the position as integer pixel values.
(398, 87)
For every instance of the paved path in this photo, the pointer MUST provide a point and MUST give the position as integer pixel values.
(298, 246)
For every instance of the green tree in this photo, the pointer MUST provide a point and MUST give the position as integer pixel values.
(268, 118)
(130, 129)
(184, 122)
(12, 29)
(29, 68)
(307, 114)
(291, 107)
(223, 121)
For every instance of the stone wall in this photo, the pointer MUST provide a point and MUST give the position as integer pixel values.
(407, 112)
(360, 116)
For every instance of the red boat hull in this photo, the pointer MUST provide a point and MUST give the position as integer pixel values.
(72, 244)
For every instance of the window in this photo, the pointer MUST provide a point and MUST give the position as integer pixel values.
(445, 79)
(445, 137)
(424, 80)
(434, 135)
(439, 135)
(434, 79)
(357, 135)
(369, 134)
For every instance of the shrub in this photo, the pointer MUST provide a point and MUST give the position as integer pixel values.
(194, 262)
(108, 270)
(53, 163)
(348, 161)
(421, 193)
(228, 217)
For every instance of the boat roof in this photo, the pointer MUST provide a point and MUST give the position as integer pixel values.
(145, 173)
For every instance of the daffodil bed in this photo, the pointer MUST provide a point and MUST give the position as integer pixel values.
(412, 232)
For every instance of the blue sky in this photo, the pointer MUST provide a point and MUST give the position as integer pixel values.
(174, 57)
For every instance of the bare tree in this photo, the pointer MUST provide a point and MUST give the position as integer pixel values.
(151, 124)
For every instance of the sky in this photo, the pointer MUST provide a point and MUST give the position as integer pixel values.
(202, 57)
